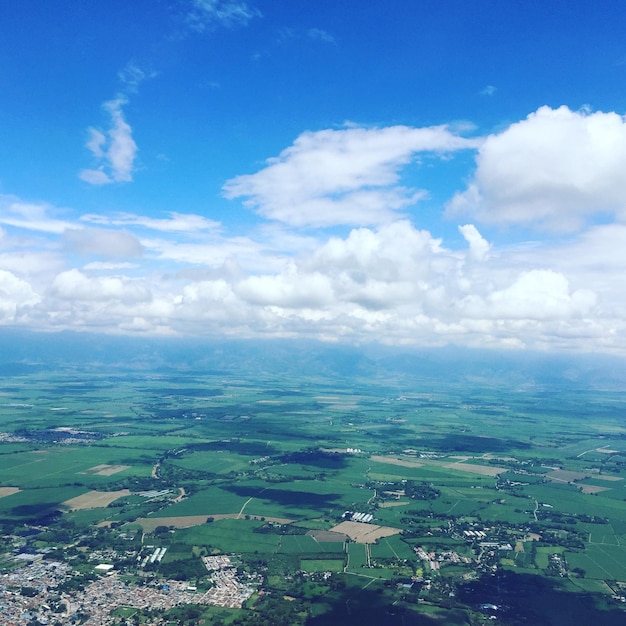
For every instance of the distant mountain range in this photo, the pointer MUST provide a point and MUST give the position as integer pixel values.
(23, 352)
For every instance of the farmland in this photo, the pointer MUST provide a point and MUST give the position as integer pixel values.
(459, 482)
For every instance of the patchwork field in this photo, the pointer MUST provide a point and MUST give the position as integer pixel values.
(266, 467)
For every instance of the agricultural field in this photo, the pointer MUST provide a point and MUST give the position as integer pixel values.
(398, 491)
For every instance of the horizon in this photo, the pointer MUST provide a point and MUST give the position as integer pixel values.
(444, 174)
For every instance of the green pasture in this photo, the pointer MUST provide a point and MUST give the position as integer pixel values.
(588, 585)
(150, 445)
(543, 553)
(296, 544)
(230, 536)
(209, 501)
(295, 499)
(392, 548)
(602, 534)
(602, 562)
(31, 504)
(52, 466)
(89, 517)
(356, 555)
(302, 544)
(321, 565)
(14, 448)
(214, 461)
(392, 516)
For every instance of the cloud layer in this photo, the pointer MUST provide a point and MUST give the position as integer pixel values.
(335, 252)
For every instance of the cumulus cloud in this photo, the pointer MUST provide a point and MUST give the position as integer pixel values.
(114, 151)
(15, 294)
(290, 289)
(534, 295)
(348, 176)
(75, 285)
(552, 170)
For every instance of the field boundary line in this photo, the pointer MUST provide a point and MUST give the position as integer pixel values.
(245, 504)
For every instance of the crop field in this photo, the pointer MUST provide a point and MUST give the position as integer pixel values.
(321, 565)
(603, 562)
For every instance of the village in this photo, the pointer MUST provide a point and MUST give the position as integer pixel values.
(33, 593)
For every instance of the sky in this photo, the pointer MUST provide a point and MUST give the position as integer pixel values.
(428, 173)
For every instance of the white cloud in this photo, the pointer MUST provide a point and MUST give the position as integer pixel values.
(348, 176)
(74, 285)
(245, 251)
(132, 76)
(553, 170)
(34, 264)
(479, 247)
(100, 242)
(30, 215)
(177, 222)
(208, 13)
(393, 283)
(320, 34)
(289, 289)
(534, 295)
(105, 266)
(115, 151)
(15, 294)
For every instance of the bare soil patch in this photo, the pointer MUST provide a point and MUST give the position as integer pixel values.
(105, 470)
(364, 533)
(95, 499)
(388, 505)
(8, 491)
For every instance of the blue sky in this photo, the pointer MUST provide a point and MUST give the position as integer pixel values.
(424, 173)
